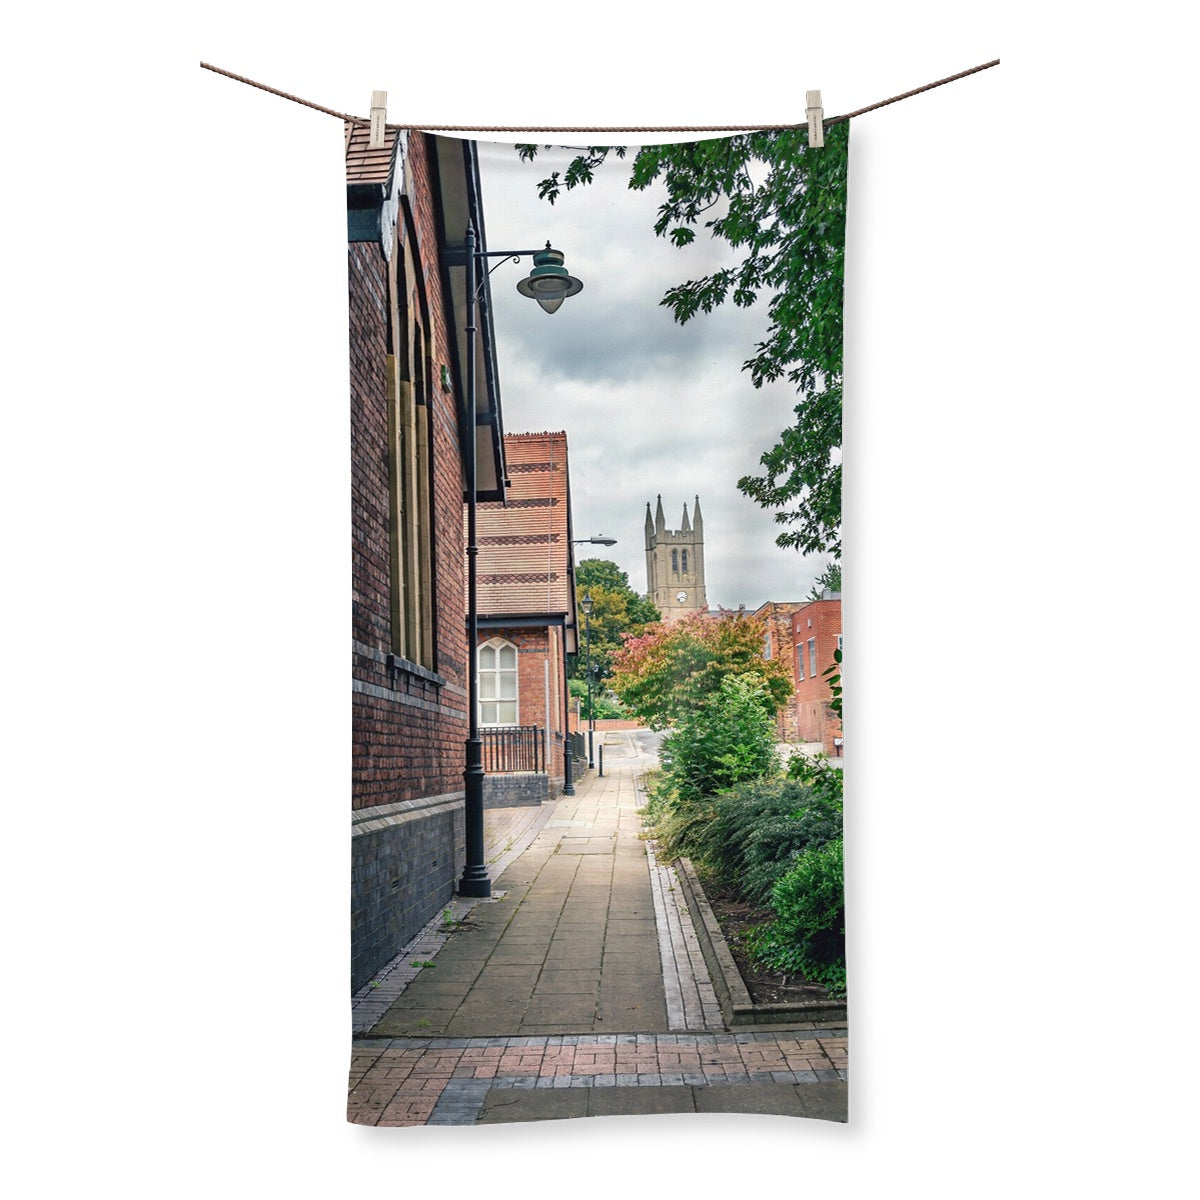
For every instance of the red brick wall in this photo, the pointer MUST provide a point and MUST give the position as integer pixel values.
(822, 620)
(409, 728)
(777, 616)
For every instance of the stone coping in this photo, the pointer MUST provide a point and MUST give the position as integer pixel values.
(736, 1006)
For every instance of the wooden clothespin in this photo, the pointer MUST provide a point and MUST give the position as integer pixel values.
(816, 120)
(378, 118)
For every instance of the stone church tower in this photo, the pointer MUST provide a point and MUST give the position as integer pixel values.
(675, 563)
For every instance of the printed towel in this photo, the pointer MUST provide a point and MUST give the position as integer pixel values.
(597, 788)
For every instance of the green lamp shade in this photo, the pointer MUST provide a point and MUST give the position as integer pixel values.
(549, 282)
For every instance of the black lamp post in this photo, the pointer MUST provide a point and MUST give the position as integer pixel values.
(549, 284)
(587, 633)
(599, 540)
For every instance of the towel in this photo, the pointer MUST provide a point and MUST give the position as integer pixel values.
(596, 524)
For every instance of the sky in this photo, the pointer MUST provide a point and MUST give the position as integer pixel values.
(650, 406)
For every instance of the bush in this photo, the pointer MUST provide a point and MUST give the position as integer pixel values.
(606, 704)
(758, 829)
(808, 935)
(721, 743)
(819, 774)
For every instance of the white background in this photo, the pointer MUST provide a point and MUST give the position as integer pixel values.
(175, 454)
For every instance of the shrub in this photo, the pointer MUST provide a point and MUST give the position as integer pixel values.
(757, 830)
(819, 774)
(730, 739)
(808, 935)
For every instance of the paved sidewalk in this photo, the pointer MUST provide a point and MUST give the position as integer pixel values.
(579, 976)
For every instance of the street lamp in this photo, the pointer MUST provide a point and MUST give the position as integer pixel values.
(549, 284)
(599, 540)
(587, 633)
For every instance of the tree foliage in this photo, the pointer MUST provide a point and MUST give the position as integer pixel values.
(783, 207)
(673, 671)
(726, 742)
(617, 610)
(829, 580)
(603, 701)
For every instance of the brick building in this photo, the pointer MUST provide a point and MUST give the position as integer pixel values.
(777, 643)
(405, 200)
(816, 635)
(527, 620)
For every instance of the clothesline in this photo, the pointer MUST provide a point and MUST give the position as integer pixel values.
(599, 128)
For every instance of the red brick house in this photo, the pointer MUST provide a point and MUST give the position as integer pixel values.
(816, 636)
(776, 615)
(527, 622)
(408, 202)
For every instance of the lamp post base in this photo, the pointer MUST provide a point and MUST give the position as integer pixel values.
(568, 782)
(474, 880)
(474, 887)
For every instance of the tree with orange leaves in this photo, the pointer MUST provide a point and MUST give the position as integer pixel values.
(677, 669)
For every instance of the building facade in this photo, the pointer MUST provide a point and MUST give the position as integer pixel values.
(408, 200)
(675, 563)
(527, 622)
(816, 636)
(776, 616)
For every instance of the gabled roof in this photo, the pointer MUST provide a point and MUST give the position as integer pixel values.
(367, 165)
(525, 563)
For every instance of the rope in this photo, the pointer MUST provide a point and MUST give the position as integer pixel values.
(602, 128)
(285, 95)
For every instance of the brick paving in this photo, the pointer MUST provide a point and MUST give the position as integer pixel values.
(577, 989)
(415, 1081)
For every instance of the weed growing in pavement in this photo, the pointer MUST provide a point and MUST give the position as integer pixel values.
(421, 962)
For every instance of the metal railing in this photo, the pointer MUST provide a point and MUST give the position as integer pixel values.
(578, 744)
(513, 748)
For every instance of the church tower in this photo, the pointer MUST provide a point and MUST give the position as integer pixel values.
(675, 563)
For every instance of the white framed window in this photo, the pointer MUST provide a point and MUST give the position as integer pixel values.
(812, 657)
(498, 683)
(799, 662)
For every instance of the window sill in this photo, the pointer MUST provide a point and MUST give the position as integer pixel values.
(396, 664)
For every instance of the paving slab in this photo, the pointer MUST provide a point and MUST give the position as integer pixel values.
(640, 1101)
(504, 1105)
(823, 1101)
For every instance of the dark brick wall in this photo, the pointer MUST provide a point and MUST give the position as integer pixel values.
(518, 790)
(403, 866)
(409, 725)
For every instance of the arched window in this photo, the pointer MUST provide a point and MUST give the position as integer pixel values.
(674, 562)
(497, 683)
(685, 562)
